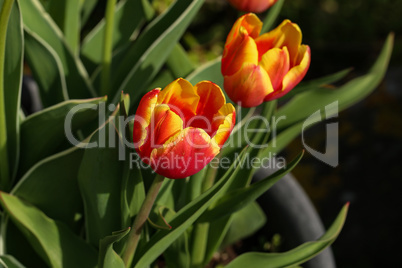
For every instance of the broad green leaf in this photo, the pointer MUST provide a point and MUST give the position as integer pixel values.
(53, 241)
(182, 220)
(47, 70)
(179, 62)
(129, 16)
(272, 16)
(245, 222)
(107, 256)
(16, 244)
(237, 199)
(178, 254)
(51, 186)
(37, 21)
(100, 182)
(317, 83)
(295, 256)
(66, 14)
(209, 71)
(145, 58)
(8, 261)
(64, 119)
(12, 84)
(296, 110)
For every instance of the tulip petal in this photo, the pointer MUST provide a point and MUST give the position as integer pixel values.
(245, 52)
(143, 116)
(250, 22)
(297, 73)
(184, 154)
(181, 98)
(287, 34)
(256, 6)
(164, 124)
(248, 86)
(211, 100)
(276, 63)
(225, 119)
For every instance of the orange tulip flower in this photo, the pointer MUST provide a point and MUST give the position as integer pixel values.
(256, 6)
(258, 68)
(180, 129)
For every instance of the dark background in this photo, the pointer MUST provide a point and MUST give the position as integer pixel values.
(342, 34)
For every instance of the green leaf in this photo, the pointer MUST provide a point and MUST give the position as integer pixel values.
(53, 241)
(179, 62)
(129, 16)
(37, 21)
(296, 110)
(237, 199)
(47, 70)
(317, 83)
(272, 16)
(145, 58)
(43, 140)
(51, 186)
(209, 71)
(178, 254)
(245, 222)
(12, 84)
(107, 256)
(183, 219)
(66, 14)
(9, 261)
(100, 182)
(295, 256)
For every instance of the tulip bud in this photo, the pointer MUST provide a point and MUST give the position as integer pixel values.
(258, 68)
(256, 6)
(180, 129)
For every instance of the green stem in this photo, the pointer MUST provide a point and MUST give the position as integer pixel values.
(140, 219)
(200, 234)
(107, 46)
(4, 17)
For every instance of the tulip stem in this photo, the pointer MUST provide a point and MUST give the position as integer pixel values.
(140, 219)
(4, 170)
(107, 46)
(200, 235)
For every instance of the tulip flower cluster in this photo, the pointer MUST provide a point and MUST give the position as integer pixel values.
(258, 68)
(180, 129)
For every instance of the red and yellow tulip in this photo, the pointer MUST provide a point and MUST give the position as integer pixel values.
(256, 6)
(258, 68)
(180, 129)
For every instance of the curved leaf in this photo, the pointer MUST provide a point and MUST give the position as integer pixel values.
(183, 219)
(128, 17)
(53, 241)
(51, 186)
(9, 261)
(295, 256)
(145, 58)
(107, 256)
(47, 70)
(296, 109)
(66, 13)
(100, 182)
(12, 84)
(43, 140)
(235, 200)
(37, 20)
